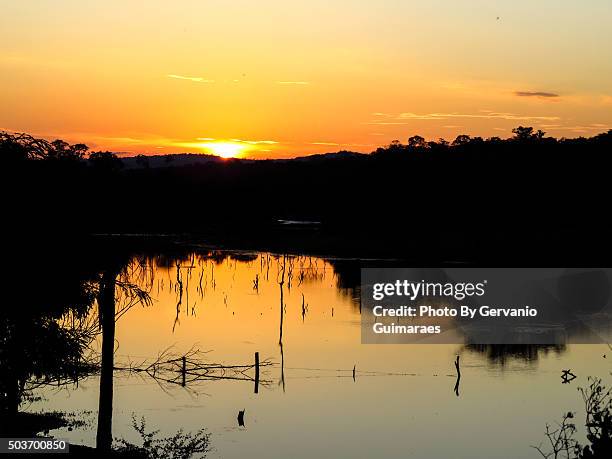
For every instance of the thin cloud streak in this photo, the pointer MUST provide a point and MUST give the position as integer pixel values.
(255, 142)
(403, 118)
(346, 144)
(250, 142)
(189, 78)
(538, 94)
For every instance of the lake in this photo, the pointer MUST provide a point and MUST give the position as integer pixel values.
(321, 392)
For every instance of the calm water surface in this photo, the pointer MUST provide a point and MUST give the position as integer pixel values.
(400, 404)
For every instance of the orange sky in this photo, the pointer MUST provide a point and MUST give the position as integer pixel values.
(276, 78)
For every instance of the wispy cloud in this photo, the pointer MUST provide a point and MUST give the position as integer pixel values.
(293, 82)
(190, 78)
(255, 142)
(578, 128)
(250, 142)
(538, 94)
(383, 119)
(343, 144)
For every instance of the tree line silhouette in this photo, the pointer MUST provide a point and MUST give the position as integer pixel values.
(527, 197)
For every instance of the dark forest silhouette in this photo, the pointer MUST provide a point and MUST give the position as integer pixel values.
(524, 198)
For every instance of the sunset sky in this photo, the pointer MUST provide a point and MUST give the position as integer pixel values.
(277, 78)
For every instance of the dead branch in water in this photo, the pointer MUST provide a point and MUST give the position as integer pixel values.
(183, 370)
(168, 368)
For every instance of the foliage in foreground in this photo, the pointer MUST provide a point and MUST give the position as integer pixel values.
(598, 408)
(179, 446)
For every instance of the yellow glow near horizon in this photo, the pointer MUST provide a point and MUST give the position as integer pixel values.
(284, 79)
(224, 149)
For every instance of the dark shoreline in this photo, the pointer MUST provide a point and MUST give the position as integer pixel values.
(545, 249)
(529, 200)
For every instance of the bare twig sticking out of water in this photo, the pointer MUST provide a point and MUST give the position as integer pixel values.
(281, 281)
(213, 282)
(280, 277)
(199, 289)
(290, 274)
(256, 283)
(304, 308)
(567, 376)
(187, 289)
(179, 283)
(309, 270)
(458, 376)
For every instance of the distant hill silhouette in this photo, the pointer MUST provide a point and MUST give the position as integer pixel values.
(529, 197)
(169, 160)
(196, 159)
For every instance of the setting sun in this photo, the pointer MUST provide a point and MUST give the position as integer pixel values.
(322, 77)
(224, 149)
(220, 190)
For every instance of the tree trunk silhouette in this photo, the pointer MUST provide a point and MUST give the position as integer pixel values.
(13, 396)
(10, 398)
(106, 305)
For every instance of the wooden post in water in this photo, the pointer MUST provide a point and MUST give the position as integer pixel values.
(257, 372)
(184, 371)
(458, 376)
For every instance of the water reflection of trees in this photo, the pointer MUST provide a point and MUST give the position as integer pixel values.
(35, 348)
(502, 354)
(50, 339)
(348, 279)
(296, 270)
